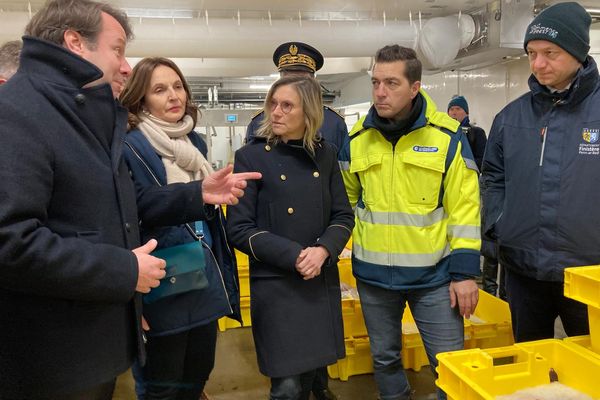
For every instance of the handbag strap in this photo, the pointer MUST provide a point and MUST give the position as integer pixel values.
(139, 157)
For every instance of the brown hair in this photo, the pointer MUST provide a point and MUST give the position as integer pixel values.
(309, 91)
(82, 16)
(9, 58)
(392, 53)
(132, 96)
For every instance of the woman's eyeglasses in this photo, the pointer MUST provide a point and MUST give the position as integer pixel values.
(285, 106)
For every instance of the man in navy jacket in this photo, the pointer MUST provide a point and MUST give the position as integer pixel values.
(540, 179)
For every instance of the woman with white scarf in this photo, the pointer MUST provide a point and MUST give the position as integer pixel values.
(162, 149)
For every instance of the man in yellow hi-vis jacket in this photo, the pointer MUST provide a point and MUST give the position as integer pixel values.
(413, 182)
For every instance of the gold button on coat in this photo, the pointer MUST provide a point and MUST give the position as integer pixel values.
(283, 177)
(290, 210)
(267, 147)
(316, 174)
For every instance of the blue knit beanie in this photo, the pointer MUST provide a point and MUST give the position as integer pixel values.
(564, 24)
(459, 101)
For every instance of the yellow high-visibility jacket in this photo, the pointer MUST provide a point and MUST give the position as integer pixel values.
(416, 203)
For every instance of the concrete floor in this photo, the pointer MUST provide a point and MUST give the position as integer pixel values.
(236, 376)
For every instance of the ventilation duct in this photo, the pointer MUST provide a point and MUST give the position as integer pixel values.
(439, 41)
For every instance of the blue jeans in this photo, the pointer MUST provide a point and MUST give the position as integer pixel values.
(441, 328)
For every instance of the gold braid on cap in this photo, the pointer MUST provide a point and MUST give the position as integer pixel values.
(293, 58)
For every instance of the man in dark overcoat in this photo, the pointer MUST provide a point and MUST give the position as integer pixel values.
(69, 314)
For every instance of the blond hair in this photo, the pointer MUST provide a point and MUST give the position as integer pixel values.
(309, 91)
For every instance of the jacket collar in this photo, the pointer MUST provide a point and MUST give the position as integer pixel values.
(584, 83)
(56, 63)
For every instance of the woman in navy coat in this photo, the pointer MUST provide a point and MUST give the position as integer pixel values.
(293, 223)
(162, 149)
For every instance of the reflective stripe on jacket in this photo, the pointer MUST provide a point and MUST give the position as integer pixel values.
(416, 203)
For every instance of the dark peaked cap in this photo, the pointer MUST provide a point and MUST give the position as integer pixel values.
(297, 56)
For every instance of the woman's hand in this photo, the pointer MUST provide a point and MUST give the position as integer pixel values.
(223, 187)
(310, 261)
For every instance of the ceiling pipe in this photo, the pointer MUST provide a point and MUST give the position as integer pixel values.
(256, 38)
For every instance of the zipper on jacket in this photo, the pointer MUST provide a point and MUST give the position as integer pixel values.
(389, 214)
(221, 276)
(544, 131)
(222, 227)
(543, 135)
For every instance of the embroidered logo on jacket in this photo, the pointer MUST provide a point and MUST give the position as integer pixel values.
(590, 137)
(425, 149)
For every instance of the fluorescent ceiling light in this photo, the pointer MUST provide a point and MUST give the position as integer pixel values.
(158, 13)
(260, 86)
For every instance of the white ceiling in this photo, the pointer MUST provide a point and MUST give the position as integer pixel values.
(235, 38)
(349, 8)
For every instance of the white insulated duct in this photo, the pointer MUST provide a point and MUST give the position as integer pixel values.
(439, 40)
(253, 38)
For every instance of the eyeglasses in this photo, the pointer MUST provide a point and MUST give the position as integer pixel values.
(286, 107)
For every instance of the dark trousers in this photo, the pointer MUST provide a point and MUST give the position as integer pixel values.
(295, 387)
(491, 283)
(178, 366)
(534, 306)
(103, 391)
(321, 382)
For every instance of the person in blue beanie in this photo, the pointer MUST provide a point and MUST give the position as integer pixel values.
(458, 108)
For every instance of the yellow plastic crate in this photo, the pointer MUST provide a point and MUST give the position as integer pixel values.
(244, 278)
(354, 322)
(358, 360)
(228, 323)
(345, 269)
(583, 284)
(581, 343)
(484, 374)
(491, 325)
(241, 258)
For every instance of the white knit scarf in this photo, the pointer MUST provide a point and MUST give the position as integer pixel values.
(183, 161)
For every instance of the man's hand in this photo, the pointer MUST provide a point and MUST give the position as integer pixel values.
(150, 269)
(223, 187)
(466, 294)
(310, 261)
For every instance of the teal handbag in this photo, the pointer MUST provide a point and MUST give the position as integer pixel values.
(186, 263)
(185, 271)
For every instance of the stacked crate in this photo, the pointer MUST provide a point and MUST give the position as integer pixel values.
(583, 284)
(484, 374)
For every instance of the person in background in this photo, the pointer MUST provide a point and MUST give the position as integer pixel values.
(539, 179)
(162, 149)
(9, 59)
(69, 312)
(301, 59)
(411, 177)
(458, 108)
(293, 224)
(297, 58)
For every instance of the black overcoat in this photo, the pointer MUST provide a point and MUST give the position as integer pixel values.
(68, 315)
(299, 202)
